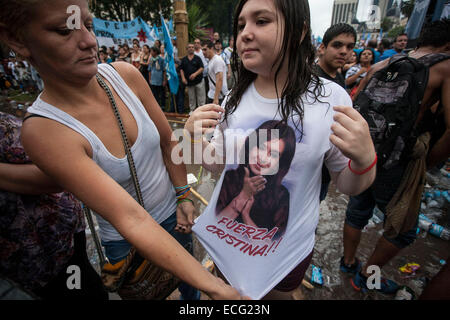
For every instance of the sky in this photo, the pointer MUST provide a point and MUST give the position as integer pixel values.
(321, 11)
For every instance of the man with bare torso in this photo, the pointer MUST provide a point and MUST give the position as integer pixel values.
(435, 38)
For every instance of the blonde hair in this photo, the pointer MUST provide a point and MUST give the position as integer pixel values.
(15, 15)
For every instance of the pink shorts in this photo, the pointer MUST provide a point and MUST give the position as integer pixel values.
(295, 277)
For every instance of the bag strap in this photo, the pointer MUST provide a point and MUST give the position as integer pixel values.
(214, 83)
(431, 59)
(125, 141)
(136, 258)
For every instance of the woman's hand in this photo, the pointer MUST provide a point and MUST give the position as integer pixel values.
(363, 70)
(226, 292)
(253, 185)
(352, 136)
(185, 217)
(203, 120)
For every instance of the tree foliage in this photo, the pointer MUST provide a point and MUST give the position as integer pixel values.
(387, 24)
(198, 19)
(220, 14)
(125, 10)
(407, 7)
(396, 31)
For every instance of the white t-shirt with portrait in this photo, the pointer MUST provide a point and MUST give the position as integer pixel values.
(255, 259)
(216, 65)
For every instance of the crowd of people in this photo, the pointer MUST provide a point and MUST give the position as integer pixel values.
(192, 70)
(361, 58)
(18, 74)
(73, 149)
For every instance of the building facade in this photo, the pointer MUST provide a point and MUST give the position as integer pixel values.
(344, 11)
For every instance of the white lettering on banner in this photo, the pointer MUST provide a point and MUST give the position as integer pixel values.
(74, 21)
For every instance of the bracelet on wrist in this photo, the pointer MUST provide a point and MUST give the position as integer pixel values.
(188, 136)
(184, 195)
(185, 200)
(359, 173)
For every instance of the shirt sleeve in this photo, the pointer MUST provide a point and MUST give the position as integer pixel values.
(221, 67)
(352, 71)
(11, 150)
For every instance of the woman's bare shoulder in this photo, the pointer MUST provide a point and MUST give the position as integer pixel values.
(131, 75)
(42, 137)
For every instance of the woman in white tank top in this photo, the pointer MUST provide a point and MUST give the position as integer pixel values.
(77, 142)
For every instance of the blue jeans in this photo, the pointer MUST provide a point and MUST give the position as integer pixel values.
(116, 251)
(179, 100)
(360, 207)
(160, 95)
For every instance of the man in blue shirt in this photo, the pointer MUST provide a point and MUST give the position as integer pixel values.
(157, 76)
(399, 45)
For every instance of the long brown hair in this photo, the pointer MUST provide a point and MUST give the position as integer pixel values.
(15, 16)
(300, 54)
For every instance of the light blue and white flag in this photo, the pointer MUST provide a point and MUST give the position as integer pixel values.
(171, 71)
(114, 33)
(156, 32)
(380, 36)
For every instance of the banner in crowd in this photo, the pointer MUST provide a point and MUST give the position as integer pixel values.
(417, 19)
(171, 71)
(115, 33)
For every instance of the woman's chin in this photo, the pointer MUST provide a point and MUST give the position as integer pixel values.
(86, 72)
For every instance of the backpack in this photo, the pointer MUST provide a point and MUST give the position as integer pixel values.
(390, 104)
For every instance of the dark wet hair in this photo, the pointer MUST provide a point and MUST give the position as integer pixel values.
(301, 77)
(208, 43)
(155, 49)
(435, 34)
(386, 43)
(336, 30)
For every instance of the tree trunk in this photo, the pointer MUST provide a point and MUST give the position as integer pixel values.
(181, 26)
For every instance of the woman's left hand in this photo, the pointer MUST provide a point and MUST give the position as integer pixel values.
(185, 217)
(352, 136)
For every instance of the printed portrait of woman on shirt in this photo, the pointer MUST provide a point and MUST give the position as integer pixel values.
(253, 193)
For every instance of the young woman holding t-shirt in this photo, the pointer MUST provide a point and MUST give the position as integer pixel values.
(276, 82)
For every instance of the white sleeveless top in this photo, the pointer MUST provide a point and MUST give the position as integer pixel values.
(157, 189)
